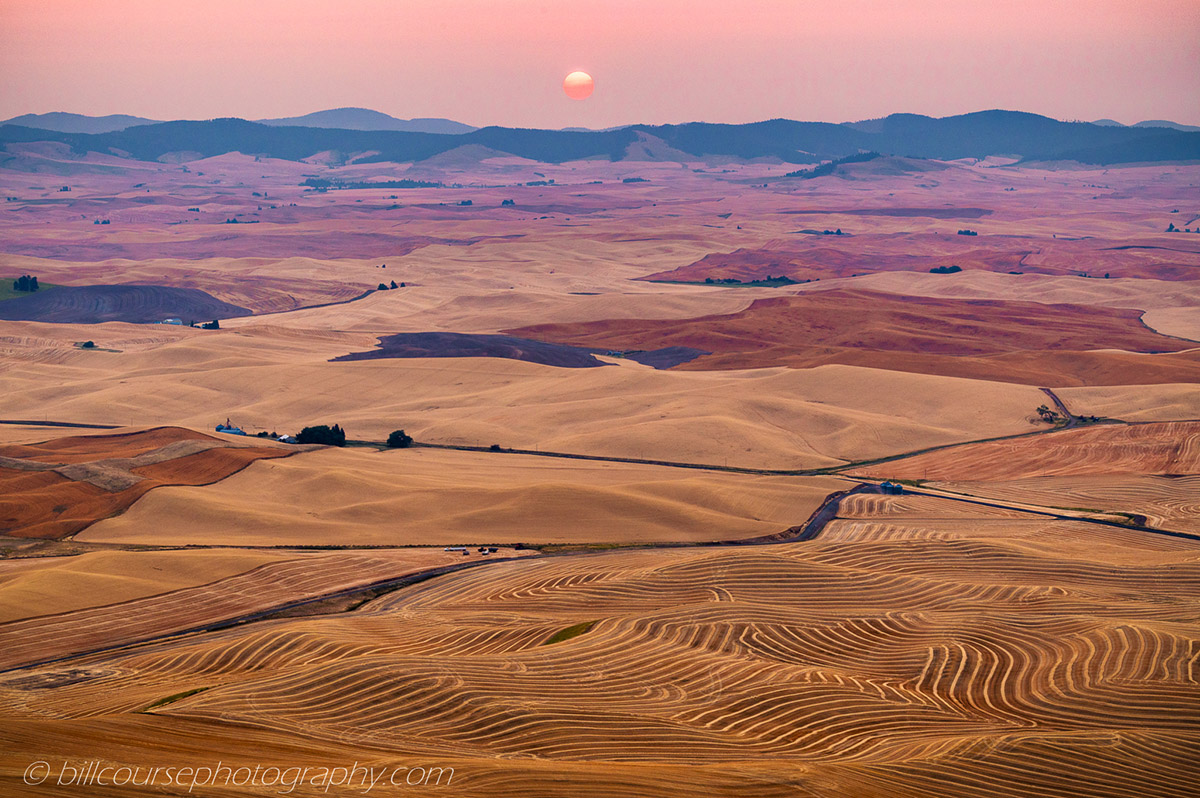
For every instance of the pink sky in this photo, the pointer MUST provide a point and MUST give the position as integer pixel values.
(503, 61)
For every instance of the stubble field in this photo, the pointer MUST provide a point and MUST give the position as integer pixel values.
(711, 596)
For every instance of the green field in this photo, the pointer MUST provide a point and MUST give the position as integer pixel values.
(7, 292)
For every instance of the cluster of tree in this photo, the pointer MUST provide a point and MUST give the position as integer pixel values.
(209, 325)
(967, 233)
(507, 202)
(321, 184)
(88, 345)
(945, 269)
(399, 439)
(26, 282)
(828, 168)
(768, 281)
(635, 180)
(323, 434)
(1047, 415)
(1171, 228)
(465, 202)
(386, 287)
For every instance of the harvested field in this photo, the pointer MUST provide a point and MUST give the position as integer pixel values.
(1169, 448)
(920, 646)
(281, 580)
(140, 304)
(879, 668)
(1182, 322)
(1180, 402)
(984, 339)
(1164, 502)
(35, 586)
(60, 487)
(867, 519)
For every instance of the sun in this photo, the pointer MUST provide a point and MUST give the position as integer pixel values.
(578, 85)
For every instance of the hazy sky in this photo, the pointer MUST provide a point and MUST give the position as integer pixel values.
(503, 61)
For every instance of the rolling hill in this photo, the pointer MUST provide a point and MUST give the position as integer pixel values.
(975, 135)
(366, 119)
(78, 123)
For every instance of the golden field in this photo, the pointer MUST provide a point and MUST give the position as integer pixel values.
(710, 597)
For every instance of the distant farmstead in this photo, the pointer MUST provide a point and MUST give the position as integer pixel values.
(229, 429)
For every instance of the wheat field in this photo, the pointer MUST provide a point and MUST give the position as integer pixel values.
(907, 651)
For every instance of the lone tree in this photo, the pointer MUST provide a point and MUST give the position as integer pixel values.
(382, 287)
(399, 439)
(323, 434)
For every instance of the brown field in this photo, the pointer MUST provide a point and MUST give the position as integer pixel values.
(1164, 296)
(821, 257)
(59, 487)
(984, 339)
(918, 646)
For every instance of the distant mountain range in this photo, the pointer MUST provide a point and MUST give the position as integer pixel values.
(78, 123)
(339, 118)
(977, 135)
(366, 119)
(1149, 123)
